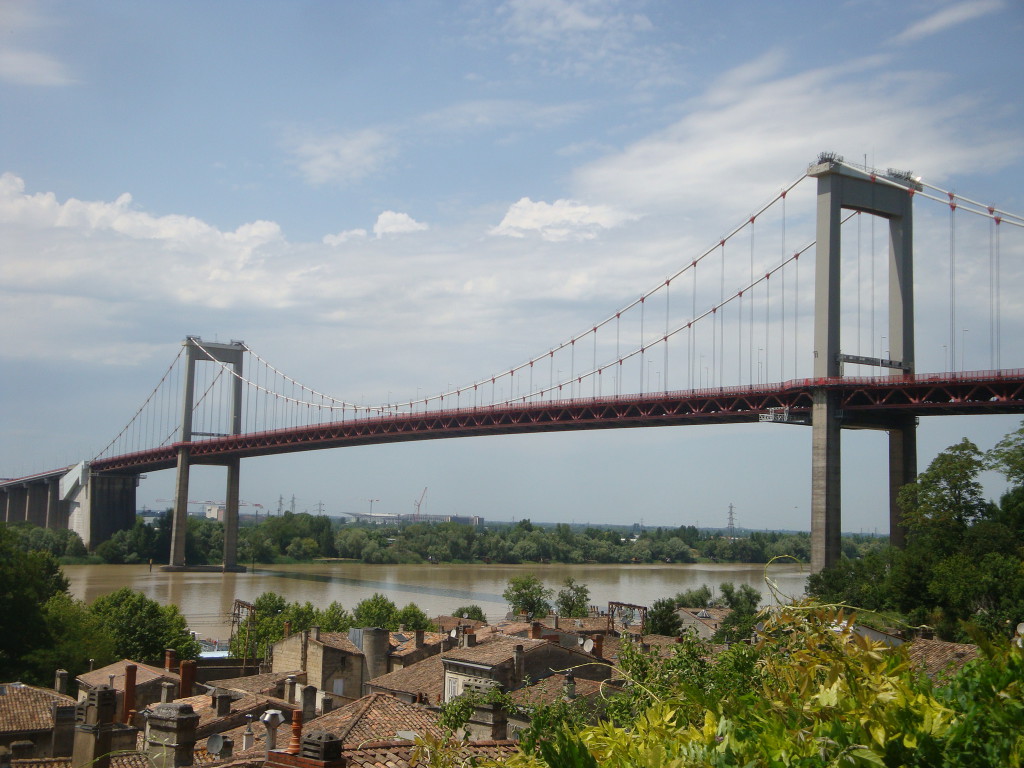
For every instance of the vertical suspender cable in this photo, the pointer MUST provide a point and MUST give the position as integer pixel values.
(999, 341)
(782, 277)
(668, 295)
(952, 280)
(750, 333)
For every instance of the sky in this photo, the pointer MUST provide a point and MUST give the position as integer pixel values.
(388, 198)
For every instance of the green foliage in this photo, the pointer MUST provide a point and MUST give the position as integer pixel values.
(78, 636)
(573, 599)
(474, 612)
(662, 619)
(376, 611)
(413, 618)
(694, 598)
(962, 562)
(142, 628)
(810, 693)
(528, 595)
(27, 581)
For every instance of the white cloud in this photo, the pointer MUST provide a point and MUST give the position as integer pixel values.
(394, 223)
(746, 136)
(20, 64)
(344, 237)
(947, 18)
(558, 221)
(343, 158)
(32, 68)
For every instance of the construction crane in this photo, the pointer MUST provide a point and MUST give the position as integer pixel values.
(418, 503)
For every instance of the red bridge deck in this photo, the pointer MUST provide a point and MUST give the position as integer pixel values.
(866, 402)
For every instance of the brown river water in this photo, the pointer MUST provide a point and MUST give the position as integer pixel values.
(206, 599)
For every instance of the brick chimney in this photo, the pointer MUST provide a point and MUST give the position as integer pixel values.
(289, 689)
(172, 735)
(536, 628)
(598, 646)
(167, 692)
(308, 700)
(287, 629)
(130, 675)
(188, 678)
(420, 637)
(221, 701)
(468, 637)
(170, 659)
(94, 722)
(63, 743)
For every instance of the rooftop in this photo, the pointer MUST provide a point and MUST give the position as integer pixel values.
(146, 673)
(425, 677)
(27, 708)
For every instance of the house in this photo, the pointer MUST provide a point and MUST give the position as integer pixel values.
(142, 684)
(36, 722)
(508, 662)
(340, 663)
(267, 683)
(704, 622)
(937, 658)
(589, 694)
(421, 682)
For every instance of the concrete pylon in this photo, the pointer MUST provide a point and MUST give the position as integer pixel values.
(842, 187)
(231, 354)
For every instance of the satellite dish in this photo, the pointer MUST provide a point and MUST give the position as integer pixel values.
(453, 633)
(215, 744)
(588, 645)
(465, 615)
(1020, 628)
(509, 616)
(580, 641)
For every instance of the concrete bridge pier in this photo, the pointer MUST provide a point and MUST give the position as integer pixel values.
(226, 354)
(841, 187)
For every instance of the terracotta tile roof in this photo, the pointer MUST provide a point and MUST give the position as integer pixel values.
(712, 618)
(338, 640)
(145, 674)
(588, 625)
(27, 708)
(399, 754)
(426, 677)
(497, 650)
(117, 760)
(404, 643)
(934, 657)
(552, 688)
(446, 624)
(267, 683)
(375, 717)
(248, 703)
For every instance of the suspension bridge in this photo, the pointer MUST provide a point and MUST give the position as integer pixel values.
(796, 317)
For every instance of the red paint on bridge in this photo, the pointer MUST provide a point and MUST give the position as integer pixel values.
(868, 402)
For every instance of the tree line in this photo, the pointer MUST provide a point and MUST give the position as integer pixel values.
(43, 628)
(963, 564)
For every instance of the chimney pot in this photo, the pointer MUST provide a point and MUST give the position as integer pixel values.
(295, 745)
(420, 637)
(188, 677)
(287, 629)
(130, 676)
(170, 657)
(60, 683)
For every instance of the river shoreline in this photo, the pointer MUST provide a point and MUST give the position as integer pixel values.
(206, 599)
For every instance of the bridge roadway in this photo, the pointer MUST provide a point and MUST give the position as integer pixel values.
(866, 403)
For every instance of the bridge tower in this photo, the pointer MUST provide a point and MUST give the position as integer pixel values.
(841, 187)
(228, 354)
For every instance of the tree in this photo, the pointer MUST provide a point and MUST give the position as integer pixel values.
(694, 598)
(745, 602)
(376, 611)
(662, 619)
(474, 612)
(413, 618)
(79, 638)
(142, 628)
(527, 594)
(573, 600)
(27, 581)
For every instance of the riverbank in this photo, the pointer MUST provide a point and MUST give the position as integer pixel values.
(206, 599)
